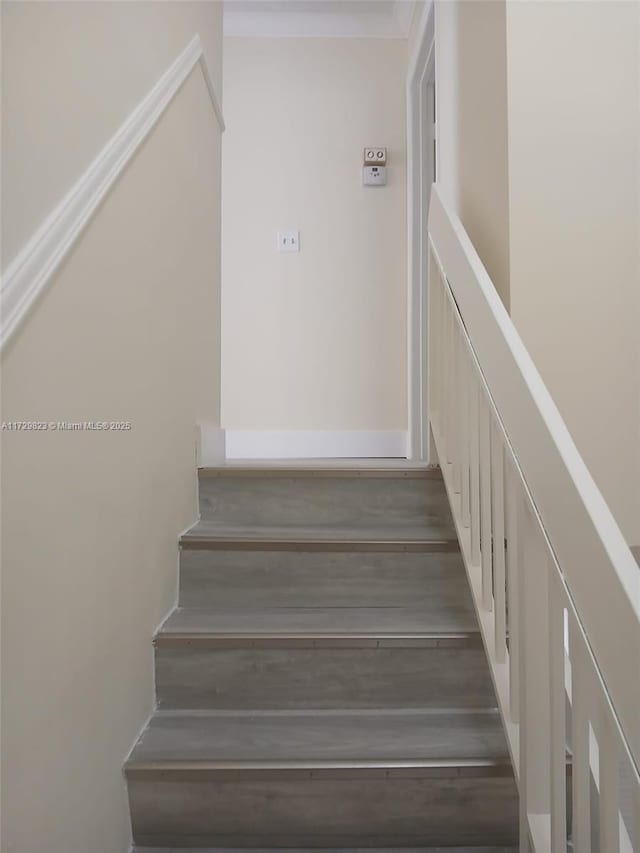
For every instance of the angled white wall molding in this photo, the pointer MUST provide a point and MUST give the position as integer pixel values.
(404, 11)
(311, 444)
(32, 269)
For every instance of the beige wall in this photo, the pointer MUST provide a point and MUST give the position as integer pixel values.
(315, 340)
(482, 135)
(574, 134)
(127, 330)
(471, 77)
(447, 100)
(545, 177)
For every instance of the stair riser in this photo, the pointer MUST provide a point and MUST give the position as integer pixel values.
(314, 501)
(171, 809)
(188, 676)
(429, 849)
(312, 579)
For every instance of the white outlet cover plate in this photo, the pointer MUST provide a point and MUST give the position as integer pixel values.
(374, 176)
(288, 241)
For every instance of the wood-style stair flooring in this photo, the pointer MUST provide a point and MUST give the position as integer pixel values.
(322, 683)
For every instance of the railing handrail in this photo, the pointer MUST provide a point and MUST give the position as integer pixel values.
(596, 563)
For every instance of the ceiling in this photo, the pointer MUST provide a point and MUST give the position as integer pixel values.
(318, 18)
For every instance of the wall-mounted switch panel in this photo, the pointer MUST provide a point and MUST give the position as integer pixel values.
(288, 241)
(375, 156)
(374, 176)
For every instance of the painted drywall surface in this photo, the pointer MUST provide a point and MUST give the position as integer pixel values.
(315, 340)
(447, 100)
(471, 80)
(482, 135)
(574, 133)
(570, 240)
(109, 55)
(127, 331)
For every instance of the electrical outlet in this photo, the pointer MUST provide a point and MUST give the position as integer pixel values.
(288, 241)
(375, 156)
(374, 176)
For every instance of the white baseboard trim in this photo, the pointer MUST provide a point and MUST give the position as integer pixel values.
(211, 445)
(312, 444)
(33, 268)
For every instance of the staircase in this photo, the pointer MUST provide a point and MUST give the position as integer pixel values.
(323, 682)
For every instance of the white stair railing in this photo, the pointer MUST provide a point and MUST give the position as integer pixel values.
(556, 589)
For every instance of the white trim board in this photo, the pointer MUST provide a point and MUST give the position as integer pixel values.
(33, 268)
(210, 445)
(404, 11)
(312, 444)
(421, 63)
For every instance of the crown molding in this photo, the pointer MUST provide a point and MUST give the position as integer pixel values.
(310, 19)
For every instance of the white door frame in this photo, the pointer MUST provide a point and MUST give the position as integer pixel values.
(420, 169)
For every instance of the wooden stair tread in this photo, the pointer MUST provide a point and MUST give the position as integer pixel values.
(430, 620)
(324, 683)
(325, 850)
(375, 740)
(321, 468)
(435, 535)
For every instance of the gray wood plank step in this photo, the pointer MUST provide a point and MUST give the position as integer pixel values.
(334, 498)
(322, 658)
(194, 811)
(322, 468)
(322, 780)
(434, 619)
(416, 537)
(323, 684)
(325, 850)
(413, 779)
(308, 740)
(223, 578)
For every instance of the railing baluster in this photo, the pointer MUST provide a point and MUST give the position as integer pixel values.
(432, 335)
(581, 768)
(457, 397)
(485, 504)
(609, 769)
(558, 722)
(465, 426)
(439, 348)
(444, 391)
(535, 740)
(635, 819)
(497, 516)
(449, 379)
(474, 466)
(523, 785)
(441, 353)
(513, 626)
